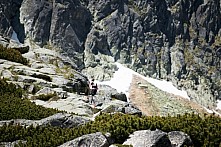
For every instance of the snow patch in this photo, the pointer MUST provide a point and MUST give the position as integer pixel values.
(168, 87)
(218, 104)
(123, 77)
(208, 110)
(212, 111)
(15, 37)
(121, 80)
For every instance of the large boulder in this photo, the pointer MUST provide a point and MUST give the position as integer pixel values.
(148, 138)
(119, 96)
(179, 139)
(120, 106)
(81, 84)
(158, 138)
(63, 120)
(89, 140)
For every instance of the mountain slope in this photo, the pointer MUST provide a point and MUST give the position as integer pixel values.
(175, 40)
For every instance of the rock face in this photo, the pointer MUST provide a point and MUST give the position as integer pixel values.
(176, 40)
(9, 22)
(52, 22)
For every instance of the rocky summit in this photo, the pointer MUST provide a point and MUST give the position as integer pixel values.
(52, 48)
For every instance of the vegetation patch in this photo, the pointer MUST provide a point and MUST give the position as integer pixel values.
(203, 131)
(13, 106)
(12, 55)
(46, 97)
(22, 50)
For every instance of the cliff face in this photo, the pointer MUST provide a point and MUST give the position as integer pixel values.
(178, 40)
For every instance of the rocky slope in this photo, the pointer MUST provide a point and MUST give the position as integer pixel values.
(177, 40)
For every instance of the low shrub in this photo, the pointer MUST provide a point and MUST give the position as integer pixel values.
(12, 55)
(203, 131)
(13, 106)
(22, 50)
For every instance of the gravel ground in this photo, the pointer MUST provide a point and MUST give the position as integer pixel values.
(153, 101)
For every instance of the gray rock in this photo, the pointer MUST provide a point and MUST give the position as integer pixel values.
(81, 85)
(148, 138)
(4, 41)
(12, 144)
(102, 71)
(7, 74)
(89, 140)
(63, 120)
(179, 139)
(120, 106)
(131, 110)
(119, 96)
(45, 90)
(31, 89)
(57, 120)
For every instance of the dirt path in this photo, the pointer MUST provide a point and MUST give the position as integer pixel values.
(152, 101)
(140, 97)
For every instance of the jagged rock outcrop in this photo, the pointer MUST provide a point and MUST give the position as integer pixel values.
(61, 24)
(176, 40)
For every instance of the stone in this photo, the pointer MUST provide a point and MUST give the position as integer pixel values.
(12, 144)
(94, 139)
(119, 96)
(63, 120)
(7, 74)
(179, 139)
(148, 138)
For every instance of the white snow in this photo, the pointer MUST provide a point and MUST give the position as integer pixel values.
(123, 76)
(208, 110)
(15, 37)
(218, 104)
(168, 87)
(212, 111)
(121, 79)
